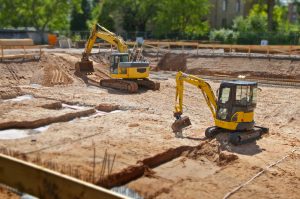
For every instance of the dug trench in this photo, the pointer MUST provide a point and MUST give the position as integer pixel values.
(17, 114)
(208, 150)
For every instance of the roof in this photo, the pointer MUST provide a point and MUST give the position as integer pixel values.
(119, 54)
(239, 82)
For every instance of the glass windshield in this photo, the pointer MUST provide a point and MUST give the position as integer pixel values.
(225, 95)
(245, 95)
(124, 58)
(254, 97)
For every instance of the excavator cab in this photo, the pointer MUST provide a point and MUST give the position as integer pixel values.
(122, 67)
(235, 105)
(115, 59)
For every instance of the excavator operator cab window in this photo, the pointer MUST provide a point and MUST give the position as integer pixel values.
(245, 95)
(224, 98)
(225, 93)
(124, 58)
(114, 62)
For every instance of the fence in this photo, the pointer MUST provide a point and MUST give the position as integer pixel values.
(247, 38)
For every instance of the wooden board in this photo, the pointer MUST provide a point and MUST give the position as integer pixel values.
(16, 42)
(17, 56)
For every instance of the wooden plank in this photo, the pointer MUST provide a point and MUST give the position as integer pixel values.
(16, 56)
(15, 42)
(47, 184)
(26, 47)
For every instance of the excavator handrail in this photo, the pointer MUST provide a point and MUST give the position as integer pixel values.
(204, 86)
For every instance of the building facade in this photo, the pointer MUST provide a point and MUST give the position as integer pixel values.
(293, 12)
(223, 12)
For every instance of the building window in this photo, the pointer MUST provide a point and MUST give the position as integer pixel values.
(224, 5)
(238, 6)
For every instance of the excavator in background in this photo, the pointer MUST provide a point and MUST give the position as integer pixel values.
(128, 70)
(233, 110)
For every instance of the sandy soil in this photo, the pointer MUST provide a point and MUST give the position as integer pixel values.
(150, 159)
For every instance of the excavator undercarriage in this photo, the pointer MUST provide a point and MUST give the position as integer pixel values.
(130, 85)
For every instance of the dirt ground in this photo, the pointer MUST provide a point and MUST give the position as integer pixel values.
(64, 117)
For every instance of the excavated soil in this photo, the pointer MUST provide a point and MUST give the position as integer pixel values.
(172, 62)
(131, 136)
(226, 66)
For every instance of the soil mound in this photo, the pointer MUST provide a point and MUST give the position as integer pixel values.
(54, 71)
(51, 75)
(50, 70)
(173, 62)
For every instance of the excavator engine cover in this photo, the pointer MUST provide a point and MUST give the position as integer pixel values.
(181, 123)
(84, 67)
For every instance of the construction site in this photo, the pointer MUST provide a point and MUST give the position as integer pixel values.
(109, 117)
(54, 117)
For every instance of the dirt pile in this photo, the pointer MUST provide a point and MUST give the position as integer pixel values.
(248, 67)
(51, 75)
(173, 62)
(54, 71)
(211, 150)
(50, 70)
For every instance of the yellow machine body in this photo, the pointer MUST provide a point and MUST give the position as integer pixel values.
(233, 122)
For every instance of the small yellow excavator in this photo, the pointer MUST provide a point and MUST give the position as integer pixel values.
(233, 110)
(128, 70)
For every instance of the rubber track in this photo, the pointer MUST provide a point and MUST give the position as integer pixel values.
(124, 85)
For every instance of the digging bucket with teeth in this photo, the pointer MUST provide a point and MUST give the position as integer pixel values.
(181, 123)
(84, 67)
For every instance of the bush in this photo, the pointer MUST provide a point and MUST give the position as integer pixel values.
(224, 36)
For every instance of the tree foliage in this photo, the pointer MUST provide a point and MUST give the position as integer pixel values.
(183, 16)
(80, 17)
(40, 14)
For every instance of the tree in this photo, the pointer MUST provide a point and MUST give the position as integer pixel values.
(40, 14)
(80, 17)
(137, 13)
(270, 5)
(182, 16)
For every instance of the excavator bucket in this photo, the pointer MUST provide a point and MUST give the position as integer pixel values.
(84, 67)
(181, 123)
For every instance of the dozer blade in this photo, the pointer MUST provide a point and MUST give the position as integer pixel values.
(84, 67)
(181, 123)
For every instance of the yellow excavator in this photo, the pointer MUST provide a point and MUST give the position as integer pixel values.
(233, 110)
(128, 70)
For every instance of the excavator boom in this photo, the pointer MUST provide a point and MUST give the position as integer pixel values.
(98, 31)
(207, 92)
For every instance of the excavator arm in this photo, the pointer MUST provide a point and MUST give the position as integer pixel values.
(206, 90)
(99, 31)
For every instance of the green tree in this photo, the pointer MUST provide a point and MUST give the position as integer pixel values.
(136, 14)
(80, 17)
(182, 16)
(40, 14)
